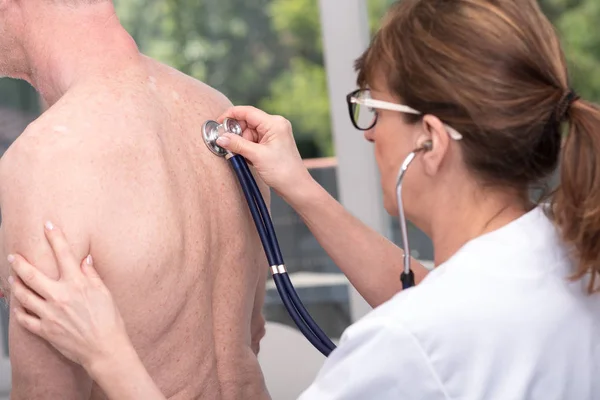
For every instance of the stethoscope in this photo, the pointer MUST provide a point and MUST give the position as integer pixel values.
(211, 131)
(407, 277)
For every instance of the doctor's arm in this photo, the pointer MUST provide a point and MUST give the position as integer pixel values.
(371, 262)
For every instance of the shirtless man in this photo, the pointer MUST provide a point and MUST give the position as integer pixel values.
(118, 163)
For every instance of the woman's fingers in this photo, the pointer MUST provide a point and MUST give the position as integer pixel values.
(68, 266)
(87, 266)
(238, 145)
(252, 116)
(32, 323)
(29, 300)
(31, 276)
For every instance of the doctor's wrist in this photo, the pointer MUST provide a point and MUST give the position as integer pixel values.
(110, 364)
(302, 193)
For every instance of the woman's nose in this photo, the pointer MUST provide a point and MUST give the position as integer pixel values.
(370, 135)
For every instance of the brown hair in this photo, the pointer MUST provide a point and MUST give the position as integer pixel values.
(495, 71)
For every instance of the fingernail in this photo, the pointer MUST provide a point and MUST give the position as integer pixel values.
(49, 225)
(11, 280)
(223, 141)
(10, 258)
(89, 260)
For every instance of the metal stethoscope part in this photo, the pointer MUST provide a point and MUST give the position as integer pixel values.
(211, 131)
(407, 277)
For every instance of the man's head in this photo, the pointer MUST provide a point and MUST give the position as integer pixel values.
(19, 19)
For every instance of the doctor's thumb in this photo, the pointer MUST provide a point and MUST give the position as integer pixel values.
(238, 145)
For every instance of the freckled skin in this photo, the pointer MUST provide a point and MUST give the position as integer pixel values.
(171, 236)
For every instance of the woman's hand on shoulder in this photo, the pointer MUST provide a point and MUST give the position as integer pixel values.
(76, 313)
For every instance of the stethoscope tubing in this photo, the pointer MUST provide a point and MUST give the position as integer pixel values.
(407, 277)
(272, 237)
(266, 231)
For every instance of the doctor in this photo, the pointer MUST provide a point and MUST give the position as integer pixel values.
(512, 309)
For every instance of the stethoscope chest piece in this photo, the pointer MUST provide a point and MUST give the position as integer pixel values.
(211, 130)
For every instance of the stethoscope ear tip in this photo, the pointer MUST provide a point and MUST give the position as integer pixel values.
(427, 146)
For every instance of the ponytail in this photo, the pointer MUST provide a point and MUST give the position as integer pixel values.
(576, 202)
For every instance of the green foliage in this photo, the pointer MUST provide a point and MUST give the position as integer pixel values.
(578, 26)
(298, 25)
(269, 53)
(229, 44)
(300, 93)
(377, 10)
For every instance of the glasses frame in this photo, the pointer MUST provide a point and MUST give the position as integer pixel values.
(352, 99)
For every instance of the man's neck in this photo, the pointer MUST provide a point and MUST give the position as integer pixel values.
(69, 47)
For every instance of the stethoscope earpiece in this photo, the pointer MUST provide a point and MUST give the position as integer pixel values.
(407, 277)
(427, 146)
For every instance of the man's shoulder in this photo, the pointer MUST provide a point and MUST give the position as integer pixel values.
(44, 153)
(40, 142)
(194, 89)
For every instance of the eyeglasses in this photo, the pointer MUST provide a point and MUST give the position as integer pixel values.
(364, 117)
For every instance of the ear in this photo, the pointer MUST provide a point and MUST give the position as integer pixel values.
(433, 131)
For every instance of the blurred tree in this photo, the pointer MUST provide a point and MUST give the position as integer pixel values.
(576, 22)
(229, 44)
(377, 10)
(300, 93)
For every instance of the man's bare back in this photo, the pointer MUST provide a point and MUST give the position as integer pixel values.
(121, 166)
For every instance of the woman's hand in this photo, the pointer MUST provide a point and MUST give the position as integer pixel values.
(268, 143)
(76, 313)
